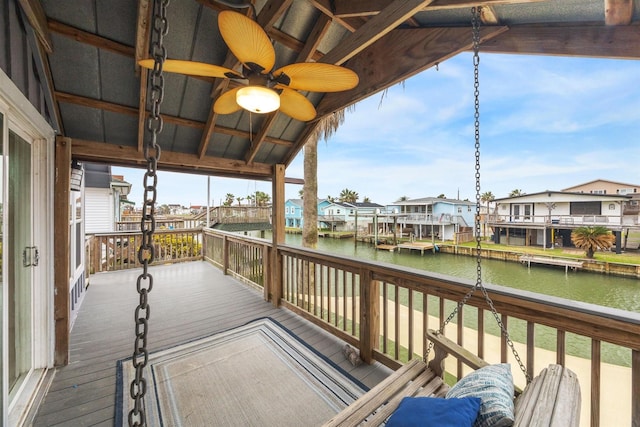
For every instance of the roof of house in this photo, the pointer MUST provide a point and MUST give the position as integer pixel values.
(431, 201)
(573, 195)
(622, 184)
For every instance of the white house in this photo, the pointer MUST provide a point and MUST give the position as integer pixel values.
(547, 218)
(102, 195)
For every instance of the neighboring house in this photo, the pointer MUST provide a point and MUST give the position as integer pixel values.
(104, 194)
(178, 209)
(197, 209)
(603, 186)
(293, 215)
(432, 217)
(547, 218)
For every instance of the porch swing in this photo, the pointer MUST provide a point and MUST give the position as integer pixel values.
(550, 399)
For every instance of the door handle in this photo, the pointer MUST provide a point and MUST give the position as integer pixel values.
(30, 256)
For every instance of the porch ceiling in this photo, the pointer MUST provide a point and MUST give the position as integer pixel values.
(98, 101)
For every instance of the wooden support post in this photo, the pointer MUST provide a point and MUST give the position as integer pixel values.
(225, 255)
(635, 384)
(277, 223)
(369, 315)
(61, 309)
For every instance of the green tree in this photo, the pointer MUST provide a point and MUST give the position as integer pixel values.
(366, 199)
(487, 197)
(262, 198)
(516, 193)
(228, 199)
(301, 193)
(442, 196)
(402, 199)
(592, 238)
(348, 196)
(239, 200)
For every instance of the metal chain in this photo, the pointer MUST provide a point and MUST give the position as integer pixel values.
(475, 23)
(146, 252)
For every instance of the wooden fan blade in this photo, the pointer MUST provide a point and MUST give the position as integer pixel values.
(191, 68)
(318, 77)
(247, 40)
(226, 103)
(295, 105)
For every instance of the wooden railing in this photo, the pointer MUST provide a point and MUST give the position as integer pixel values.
(119, 251)
(385, 309)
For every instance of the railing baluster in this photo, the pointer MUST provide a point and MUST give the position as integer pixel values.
(531, 342)
(561, 341)
(635, 388)
(595, 382)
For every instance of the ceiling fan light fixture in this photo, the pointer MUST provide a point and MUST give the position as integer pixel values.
(258, 99)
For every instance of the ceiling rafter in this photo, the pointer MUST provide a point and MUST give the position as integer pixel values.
(91, 39)
(179, 121)
(319, 30)
(143, 36)
(170, 160)
(618, 12)
(38, 20)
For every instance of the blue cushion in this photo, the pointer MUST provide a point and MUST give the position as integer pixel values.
(493, 384)
(435, 411)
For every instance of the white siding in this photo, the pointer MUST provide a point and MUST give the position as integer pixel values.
(99, 210)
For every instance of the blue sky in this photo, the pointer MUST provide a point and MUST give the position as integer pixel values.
(547, 123)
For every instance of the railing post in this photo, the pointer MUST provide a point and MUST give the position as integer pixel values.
(635, 388)
(266, 272)
(369, 315)
(225, 255)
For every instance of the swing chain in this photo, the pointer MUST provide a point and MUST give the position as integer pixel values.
(475, 22)
(146, 252)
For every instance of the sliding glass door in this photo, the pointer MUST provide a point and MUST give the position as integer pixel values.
(22, 257)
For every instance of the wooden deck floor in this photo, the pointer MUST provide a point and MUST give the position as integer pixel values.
(188, 301)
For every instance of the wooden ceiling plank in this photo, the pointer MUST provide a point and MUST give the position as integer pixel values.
(618, 12)
(488, 16)
(129, 156)
(325, 7)
(38, 20)
(271, 12)
(595, 41)
(91, 39)
(376, 28)
(142, 108)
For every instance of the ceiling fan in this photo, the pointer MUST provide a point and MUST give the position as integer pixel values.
(264, 90)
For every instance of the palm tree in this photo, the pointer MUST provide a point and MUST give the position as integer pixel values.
(228, 199)
(487, 197)
(402, 199)
(348, 196)
(239, 200)
(517, 192)
(262, 198)
(592, 238)
(366, 199)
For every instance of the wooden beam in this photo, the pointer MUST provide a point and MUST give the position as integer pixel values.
(91, 39)
(618, 12)
(278, 236)
(595, 41)
(173, 161)
(351, 8)
(61, 309)
(260, 137)
(38, 21)
(464, 4)
(271, 12)
(143, 39)
(376, 28)
(403, 53)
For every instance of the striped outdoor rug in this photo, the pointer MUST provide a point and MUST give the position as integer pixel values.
(259, 374)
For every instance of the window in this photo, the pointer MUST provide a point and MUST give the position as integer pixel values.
(468, 208)
(337, 211)
(598, 191)
(612, 207)
(459, 209)
(585, 208)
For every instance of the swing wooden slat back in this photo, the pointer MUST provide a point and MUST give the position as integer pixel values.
(552, 398)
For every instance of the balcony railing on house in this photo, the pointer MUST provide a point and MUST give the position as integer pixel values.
(384, 310)
(567, 221)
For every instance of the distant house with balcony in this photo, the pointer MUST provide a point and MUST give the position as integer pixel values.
(343, 216)
(547, 218)
(293, 215)
(435, 217)
(104, 198)
(603, 186)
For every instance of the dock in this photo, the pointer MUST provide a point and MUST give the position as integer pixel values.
(417, 246)
(389, 248)
(528, 259)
